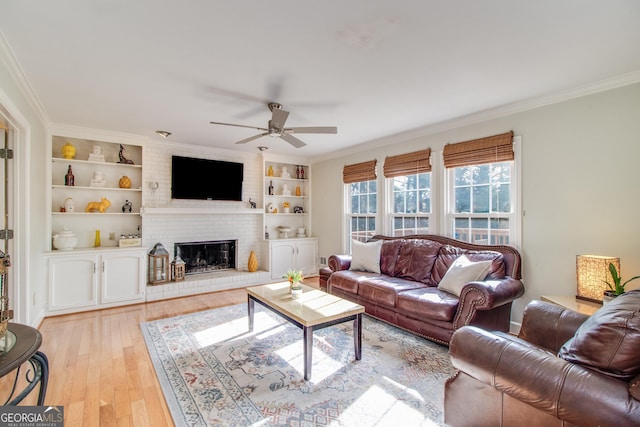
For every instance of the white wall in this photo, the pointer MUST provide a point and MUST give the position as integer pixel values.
(27, 272)
(580, 179)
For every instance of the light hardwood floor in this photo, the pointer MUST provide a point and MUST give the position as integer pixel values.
(100, 370)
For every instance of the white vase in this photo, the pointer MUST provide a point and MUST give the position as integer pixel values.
(69, 205)
(296, 293)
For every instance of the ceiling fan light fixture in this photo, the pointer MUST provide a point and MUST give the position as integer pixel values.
(163, 133)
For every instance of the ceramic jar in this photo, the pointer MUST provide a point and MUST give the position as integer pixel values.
(65, 240)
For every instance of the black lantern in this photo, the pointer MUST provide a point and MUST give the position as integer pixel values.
(158, 265)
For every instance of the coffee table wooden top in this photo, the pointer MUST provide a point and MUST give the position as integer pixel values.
(312, 308)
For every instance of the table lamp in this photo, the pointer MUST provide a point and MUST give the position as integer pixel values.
(592, 273)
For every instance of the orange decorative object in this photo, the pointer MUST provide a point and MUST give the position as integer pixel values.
(100, 206)
(68, 151)
(298, 193)
(252, 264)
(125, 182)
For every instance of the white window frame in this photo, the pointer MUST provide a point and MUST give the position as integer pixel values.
(515, 222)
(349, 215)
(389, 204)
(442, 190)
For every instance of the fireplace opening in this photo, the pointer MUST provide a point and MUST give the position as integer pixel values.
(204, 257)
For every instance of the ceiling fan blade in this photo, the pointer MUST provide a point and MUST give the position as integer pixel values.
(252, 138)
(292, 140)
(278, 118)
(316, 129)
(239, 126)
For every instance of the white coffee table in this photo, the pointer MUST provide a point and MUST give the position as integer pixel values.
(314, 310)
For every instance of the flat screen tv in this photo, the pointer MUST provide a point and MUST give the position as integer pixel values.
(204, 179)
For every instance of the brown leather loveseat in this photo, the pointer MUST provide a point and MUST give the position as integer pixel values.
(406, 293)
(563, 369)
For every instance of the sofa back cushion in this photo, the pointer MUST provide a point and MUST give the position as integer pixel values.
(416, 259)
(389, 256)
(609, 340)
(448, 254)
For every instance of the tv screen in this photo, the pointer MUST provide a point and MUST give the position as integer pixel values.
(203, 179)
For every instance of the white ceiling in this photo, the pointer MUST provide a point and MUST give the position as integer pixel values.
(371, 68)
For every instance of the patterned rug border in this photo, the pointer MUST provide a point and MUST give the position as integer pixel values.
(161, 374)
(169, 392)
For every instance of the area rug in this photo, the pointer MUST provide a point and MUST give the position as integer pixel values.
(213, 372)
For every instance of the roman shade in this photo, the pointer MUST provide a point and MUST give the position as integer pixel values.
(359, 172)
(491, 149)
(407, 164)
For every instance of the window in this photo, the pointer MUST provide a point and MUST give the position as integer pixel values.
(364, 198)
(470, 194)
(409, 178)
(481, 203)
(481, 191)
(411, 204)
(362, 193)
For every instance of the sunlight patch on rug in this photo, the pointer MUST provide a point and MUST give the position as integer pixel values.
(213, 372)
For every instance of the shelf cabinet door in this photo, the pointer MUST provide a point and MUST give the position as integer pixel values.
(123, 277)
(282, 258)
(73, 282)
(297, 254)
(306, 256)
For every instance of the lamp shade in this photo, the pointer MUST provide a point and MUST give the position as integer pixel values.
(592, 273)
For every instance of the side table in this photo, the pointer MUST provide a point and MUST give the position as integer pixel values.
(21, 344)
(570, 302)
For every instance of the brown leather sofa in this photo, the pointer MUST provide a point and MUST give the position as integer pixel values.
(563, 369)
(405, 292)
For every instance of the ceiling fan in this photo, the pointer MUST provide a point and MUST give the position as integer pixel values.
(276, 128)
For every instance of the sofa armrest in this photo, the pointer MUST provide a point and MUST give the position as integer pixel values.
(540, 379)
(549, 325)
(339, 262)
(486, 295)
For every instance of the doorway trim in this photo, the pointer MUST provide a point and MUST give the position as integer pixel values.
(19, 140)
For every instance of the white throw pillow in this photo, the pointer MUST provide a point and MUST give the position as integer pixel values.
(461, 272)
(366, 256)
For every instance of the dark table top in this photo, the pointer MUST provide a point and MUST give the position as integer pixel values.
(28, 341)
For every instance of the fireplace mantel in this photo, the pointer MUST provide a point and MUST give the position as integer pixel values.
(199, 211)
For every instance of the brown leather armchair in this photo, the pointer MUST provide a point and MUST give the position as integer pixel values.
(563, 369)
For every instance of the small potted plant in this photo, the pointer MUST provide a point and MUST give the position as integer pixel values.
(295, 282)
(616, 287)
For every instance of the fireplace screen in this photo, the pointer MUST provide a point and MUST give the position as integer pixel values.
(203, 257)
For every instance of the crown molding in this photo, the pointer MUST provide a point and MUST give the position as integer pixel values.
(491, 114)
(10, 61)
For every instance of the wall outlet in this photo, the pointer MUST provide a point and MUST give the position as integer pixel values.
(112, 235)
(323, 260)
